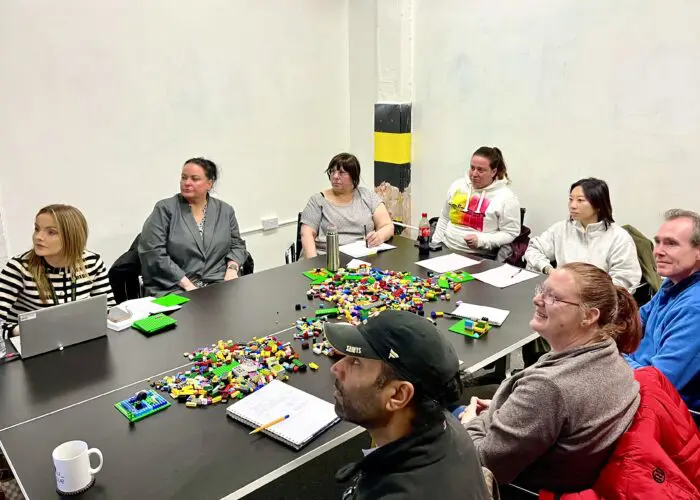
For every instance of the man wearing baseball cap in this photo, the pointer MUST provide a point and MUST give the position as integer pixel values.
(395, 378)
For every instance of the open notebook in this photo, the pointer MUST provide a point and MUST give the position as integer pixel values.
(309, 416)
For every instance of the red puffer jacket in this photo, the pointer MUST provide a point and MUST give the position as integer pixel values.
(659, 455)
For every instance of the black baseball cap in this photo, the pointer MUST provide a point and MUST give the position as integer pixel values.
(412, 345)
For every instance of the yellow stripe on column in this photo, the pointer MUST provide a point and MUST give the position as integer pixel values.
(392, 148)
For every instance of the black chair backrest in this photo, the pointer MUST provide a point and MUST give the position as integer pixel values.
(297, 243)
(124, 274)
(248, 266)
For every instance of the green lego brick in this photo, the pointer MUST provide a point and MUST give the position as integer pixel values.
(170, 300)
(443, 282)
(331, 311)
(225, 369)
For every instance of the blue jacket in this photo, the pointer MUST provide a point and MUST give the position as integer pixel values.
(671, 339)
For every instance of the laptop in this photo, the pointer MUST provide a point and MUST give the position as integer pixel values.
(61, 326)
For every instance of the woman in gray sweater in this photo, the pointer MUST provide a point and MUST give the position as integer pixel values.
(555, 424)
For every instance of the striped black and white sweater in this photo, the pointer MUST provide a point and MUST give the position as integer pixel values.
(18, 292)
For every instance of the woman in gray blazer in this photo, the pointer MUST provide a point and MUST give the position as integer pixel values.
(191, 239)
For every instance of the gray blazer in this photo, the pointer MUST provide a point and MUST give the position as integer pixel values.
(171, 247)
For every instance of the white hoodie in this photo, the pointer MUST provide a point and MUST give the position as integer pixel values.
(611, 250)
(492, 213)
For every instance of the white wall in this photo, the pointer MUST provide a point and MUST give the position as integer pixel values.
(103, 101)
(567, 89)
(362, 73)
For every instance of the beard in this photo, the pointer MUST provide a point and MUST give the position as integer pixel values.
(360, 407)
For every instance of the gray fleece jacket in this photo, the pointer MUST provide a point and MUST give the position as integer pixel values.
(555, 424)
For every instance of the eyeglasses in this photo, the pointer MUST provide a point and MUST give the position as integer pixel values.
(549, 298)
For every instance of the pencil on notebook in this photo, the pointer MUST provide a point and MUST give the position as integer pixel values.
(269, 424)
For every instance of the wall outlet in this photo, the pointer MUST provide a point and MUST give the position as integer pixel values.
(270, 223)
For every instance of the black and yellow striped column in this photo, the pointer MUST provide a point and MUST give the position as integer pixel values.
(392, 158)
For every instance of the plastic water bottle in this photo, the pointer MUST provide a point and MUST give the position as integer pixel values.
(332, 249)
(424, 236)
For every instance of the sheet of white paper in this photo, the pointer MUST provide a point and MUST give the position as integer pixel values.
(356, 263)
(504, 276)
(358, 249)
(17, 342)
(447, 263)
(139, 309)
(474, 312)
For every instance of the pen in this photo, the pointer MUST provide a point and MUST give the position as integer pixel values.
(516, 273)
(269, 424)
(12, 356)
(453, 316)
(366, 242)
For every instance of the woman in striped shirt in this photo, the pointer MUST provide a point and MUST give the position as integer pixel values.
(58, 269)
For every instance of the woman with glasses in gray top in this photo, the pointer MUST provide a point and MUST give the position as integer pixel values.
(554, 425)
(355, 211)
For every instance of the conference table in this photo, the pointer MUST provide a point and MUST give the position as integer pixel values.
(201, 453)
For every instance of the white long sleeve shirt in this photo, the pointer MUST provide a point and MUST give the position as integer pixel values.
(492, 213)
(611, 250)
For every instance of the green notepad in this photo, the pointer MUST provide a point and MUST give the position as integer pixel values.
(459, 328)
(170, 300)
(155, 323)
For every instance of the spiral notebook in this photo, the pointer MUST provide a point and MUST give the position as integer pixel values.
(309, 416)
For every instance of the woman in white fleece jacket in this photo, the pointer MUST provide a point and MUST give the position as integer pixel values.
(481, 213)
(589, 235)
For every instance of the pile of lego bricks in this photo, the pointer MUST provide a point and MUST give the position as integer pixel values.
(365, 292)
(228, 370)
(361, 293)
(310, 332)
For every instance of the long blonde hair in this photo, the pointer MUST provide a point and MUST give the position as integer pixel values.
(73, 231)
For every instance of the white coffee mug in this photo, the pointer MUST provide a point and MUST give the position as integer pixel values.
(72, 463)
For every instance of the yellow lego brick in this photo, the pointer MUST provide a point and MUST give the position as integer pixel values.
(215, 400)
(191, 404)
(313, 366)
(174, 393)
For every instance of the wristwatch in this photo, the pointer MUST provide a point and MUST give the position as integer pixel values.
(234, 266)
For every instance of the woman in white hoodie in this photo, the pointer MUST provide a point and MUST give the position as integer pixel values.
(481, 213)
(589, 235)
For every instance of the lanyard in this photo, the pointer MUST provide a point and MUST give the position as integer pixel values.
(53, 290)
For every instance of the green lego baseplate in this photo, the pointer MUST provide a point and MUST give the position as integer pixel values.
(460, 328)
(318, 274)
(154, 323)
(170, 300)
(137, 409)
(459, 277)
(225, 369)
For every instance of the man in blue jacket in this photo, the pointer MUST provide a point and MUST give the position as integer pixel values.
(671, 319)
